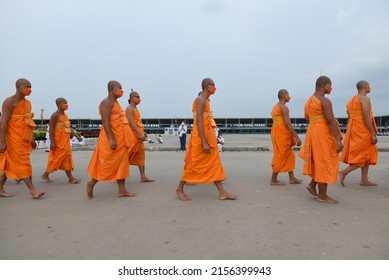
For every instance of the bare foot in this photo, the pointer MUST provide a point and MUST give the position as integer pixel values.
(146, 180)
(126, 194)
(74, 181)
(295, 181)
(341, 178)
(89, 189)
(5, 194)
(277, 183)
(37, 194)
(312, 190)
(181, 195)
(46, 178)
(327, 199)
(228, 196)
(368, 184)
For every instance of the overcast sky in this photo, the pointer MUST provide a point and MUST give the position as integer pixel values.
(163, 49)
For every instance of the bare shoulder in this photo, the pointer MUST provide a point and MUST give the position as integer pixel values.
(283, 107)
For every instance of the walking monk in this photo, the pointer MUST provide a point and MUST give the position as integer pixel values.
(360, 148)
(323, 141)
(60, 156)
(109, 161)
(283, 137)
(137, 153)
(16, 138)
(3, 178)
(202, 161)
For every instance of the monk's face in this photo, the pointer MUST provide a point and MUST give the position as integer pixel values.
(367, 88)
(64, 105)
(25, 88)
(328, 88)
(117, 90)
(211, 87)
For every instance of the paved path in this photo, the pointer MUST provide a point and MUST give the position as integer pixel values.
(266, 222)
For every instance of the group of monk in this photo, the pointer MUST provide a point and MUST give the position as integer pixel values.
(121, 142)
(323, 141)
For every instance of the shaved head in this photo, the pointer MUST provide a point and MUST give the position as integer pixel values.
(322, 81)
(59, 101)
(112, 84)
(282, 92)
(22, 82)
(134, 93)
(362, 84)
(206, 82)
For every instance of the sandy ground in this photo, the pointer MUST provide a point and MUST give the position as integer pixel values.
(266, 222)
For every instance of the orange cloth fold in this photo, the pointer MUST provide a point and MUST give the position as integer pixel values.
(201, 167)
(137, 153)
(61, 157)
(107, 164)
(321, 161)
(283, 141)
(358, 149)
(19, 136)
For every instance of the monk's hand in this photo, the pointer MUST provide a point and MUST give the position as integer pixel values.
(113, 145)
(52, 146)
(340, 146)
(142, 137)
(298, 141)
(206, 148)
(33, 145)
(3, 147)
(79, 138)
(374, 139)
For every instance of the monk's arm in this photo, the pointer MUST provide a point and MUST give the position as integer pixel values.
(200, 106)
(130, 117)
(7, 111)
(53, 123)
(331, 121)
(285, 117)
(365, 101)
(106, 109)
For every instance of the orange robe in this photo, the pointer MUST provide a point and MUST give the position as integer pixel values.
(201, 167)
(19, 136)
(107, 164)
(61, 157)
(283, 141)
(2, 158)
(358, 149)
(321, 161)
(137, 153)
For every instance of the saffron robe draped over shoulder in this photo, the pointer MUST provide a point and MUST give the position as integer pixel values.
(201, 167)
(19, 137)
(358, 149)
(61, 157)
(321, 161)
(137, 153)
(283, 141)
(107, 164)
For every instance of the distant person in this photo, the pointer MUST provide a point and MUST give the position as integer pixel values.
(78, 141)
(47, 143)
(283, 137)
(220, 141)
(60, 156)
(323, 142)
(16, 138)
(109, 161)
(202, 161)
(137, 153)
(360, 145)
(3, 177)
(182, 130)
(159, 139)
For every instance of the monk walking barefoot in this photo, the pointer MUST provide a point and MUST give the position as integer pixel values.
(60, 156)
(137, 153)
(16, 138)
(323, 142)
(360, 145)
(283, 137)
(202, 161)
(110, 161)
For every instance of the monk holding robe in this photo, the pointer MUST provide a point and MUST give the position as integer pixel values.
(283, 137)
(137, 153)
(202, 161)
(109, 161)
(360, 149)
(323, 142)
(16, 138)
(60, 156)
